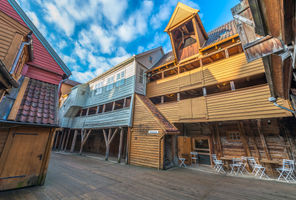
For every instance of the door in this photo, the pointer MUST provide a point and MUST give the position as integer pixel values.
(184, 148)
(202, 145)
(22, 157)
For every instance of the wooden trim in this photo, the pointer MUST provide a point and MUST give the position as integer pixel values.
(18, 100)
(264, 144)
(44, 167)
(6, 149)
(12, 51)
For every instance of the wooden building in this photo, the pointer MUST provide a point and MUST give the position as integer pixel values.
(28, 109)
(217, 100)
(96, 116)
(267, 29)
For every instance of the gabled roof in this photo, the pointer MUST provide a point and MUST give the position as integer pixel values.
(40, 37)
(168, 127)
(129, 60)
(181, 13)
(222, 32)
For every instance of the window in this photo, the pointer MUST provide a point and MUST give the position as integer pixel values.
(84, 111)
(108, 107)
(110, 82)
(100, 108)
(98, 88)
(141, 76)
(92, 110)
(150, 59)
(170, 97)
(233, 135)
(119, 104)
(128, 102)
(120, 78)
(156, 100)
(78, 113)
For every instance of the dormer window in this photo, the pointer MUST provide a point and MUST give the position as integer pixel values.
(150, 59)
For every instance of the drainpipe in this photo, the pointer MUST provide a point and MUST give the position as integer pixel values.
(20, 52)
(273, 100)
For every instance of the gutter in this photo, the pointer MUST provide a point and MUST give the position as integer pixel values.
(273, 100)
(20, 52)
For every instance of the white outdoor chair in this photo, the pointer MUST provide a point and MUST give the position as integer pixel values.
(194, 157)
(243, 169)
(182, 162)
(258, 170)
(236, 166)
(218, 164)
(287, 170)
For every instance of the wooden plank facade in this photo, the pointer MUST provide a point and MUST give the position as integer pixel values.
(28, 107)
(214, 96)
(105, 106)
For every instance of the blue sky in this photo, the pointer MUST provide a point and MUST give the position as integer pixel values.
(93, 35)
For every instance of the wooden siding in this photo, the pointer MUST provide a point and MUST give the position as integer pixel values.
(227, 69)
(114, 118)
(42, 57)
(250, 103)
(111, 95)
(144, 147)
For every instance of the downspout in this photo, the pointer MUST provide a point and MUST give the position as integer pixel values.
(273, 100)
(20, 52)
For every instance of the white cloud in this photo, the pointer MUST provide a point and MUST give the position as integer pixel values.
(140, 49)
(80, 51)
(82, 77)
(62, 44)
(68, 59)
(114, 9)
(60, 18)
(136, 24)
(37, 23)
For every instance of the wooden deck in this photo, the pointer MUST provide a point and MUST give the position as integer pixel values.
(79, 177)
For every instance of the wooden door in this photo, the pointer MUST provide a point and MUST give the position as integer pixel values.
(184, 148)
(22, 157)
(203, 146)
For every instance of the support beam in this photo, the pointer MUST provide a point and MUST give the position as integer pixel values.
(67, 140)
(263, 139)
(219, 146)
(84, 137)
(74, 141)
(108, 140)
(244, 138)
(56, 140)
(120, 145)
(128, 142)
(64, 138)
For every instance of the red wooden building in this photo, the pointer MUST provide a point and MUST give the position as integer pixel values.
(28, 113)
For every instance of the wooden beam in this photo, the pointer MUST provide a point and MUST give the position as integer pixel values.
(67, 140)
(120, 145)
(253, 139)
(263, 139)
(128, 142)
(74, 141)
(219, 145)
(60, 139)
(84, 137)
(56, 140)
(116, 130)
(64, 138)
(244, 138)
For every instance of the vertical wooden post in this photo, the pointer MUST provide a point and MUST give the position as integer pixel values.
(108, 140)
(219, 145)
(81, 139)
(124, 102)
(84, 137)
(253, 139)
(74, 141)
(67, 140)
(64, 138)
(226, 53)
(120, 145)
(113, 105)
(244, 138)
(56, 140)
(263, 139)
(128, 143)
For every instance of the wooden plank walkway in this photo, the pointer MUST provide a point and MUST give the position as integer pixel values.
(79, 177)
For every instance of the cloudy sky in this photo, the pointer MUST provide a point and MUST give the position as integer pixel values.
(93, 35)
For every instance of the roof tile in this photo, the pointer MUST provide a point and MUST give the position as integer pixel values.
(39, 103)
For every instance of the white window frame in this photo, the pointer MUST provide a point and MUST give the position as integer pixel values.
(141, 75)
(110, 83)
(121, 79)
(98, 88)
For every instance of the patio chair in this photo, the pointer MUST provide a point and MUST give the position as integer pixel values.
(258, 170)
(243, 169)
(236, 166)
(182, 161)
(194, 157)
(287, 170)
(218, 164)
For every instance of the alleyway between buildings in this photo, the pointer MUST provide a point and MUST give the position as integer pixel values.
(79, 177)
